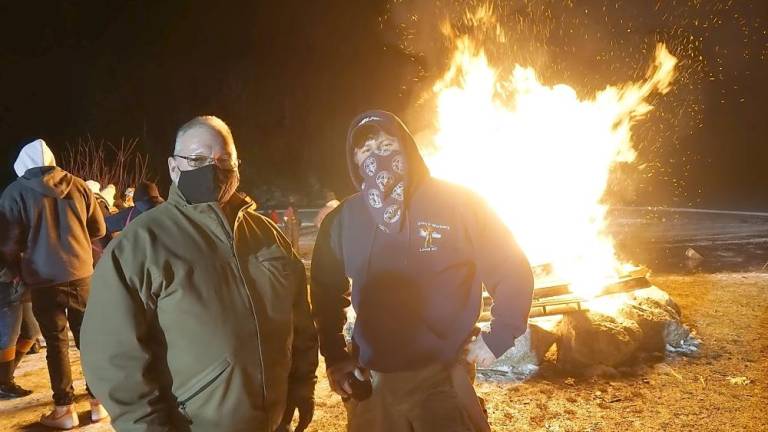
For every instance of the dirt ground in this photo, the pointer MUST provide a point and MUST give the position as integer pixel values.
(729, 311)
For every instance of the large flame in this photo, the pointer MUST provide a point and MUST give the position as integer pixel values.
(541, 156)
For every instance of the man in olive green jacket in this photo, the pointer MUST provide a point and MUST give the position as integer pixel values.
(199, 317)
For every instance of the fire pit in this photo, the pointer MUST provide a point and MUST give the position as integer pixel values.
(625, 321)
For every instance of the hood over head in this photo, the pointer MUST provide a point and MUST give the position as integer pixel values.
(33, 155)
(391, 125)
(145, 190)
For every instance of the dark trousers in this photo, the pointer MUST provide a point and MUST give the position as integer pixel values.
(54, 307)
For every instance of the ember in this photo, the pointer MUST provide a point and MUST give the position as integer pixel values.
(557, 216)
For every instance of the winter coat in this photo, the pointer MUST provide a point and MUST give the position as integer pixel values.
(195, 325)
(417, 294)
(53, 216)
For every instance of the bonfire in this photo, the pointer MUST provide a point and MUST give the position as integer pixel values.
(541, 155)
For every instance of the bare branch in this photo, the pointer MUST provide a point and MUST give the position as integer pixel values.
(107, 163)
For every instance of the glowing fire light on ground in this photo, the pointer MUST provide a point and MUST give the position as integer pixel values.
(541, 156)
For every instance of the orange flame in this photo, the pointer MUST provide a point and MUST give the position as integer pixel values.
(541, 156)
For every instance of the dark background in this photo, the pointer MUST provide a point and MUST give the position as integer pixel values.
(288, 77)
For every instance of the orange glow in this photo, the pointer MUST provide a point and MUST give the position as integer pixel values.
(541, 155)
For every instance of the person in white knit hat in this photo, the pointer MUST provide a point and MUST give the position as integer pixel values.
(94, 186)
(108, 193)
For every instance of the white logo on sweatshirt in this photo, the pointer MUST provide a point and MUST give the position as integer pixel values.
(431, 233)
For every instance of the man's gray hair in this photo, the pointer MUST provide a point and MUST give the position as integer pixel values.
(207, 121)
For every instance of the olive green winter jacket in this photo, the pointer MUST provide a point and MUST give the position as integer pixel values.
(193, 325)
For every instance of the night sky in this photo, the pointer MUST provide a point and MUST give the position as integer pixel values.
(288, 77)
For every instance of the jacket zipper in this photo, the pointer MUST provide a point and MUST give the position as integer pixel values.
(209, 379)
(250, 301)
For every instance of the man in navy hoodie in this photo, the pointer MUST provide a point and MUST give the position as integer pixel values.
(411, 254)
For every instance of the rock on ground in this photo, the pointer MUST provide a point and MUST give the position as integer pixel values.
(593, 338)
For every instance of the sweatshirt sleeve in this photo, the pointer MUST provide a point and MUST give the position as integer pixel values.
(330, 290)
(95, 224)
(117, 222)
(506, 274)
(120, 339)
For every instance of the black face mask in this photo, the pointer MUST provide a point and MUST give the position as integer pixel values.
(208, 184)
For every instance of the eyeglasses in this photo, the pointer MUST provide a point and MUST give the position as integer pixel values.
(224, 162)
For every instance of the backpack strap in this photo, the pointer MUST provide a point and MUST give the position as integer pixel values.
(130, 216)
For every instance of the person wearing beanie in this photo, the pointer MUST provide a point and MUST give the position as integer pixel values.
(94, 186)
(102, 203)
(108, 193)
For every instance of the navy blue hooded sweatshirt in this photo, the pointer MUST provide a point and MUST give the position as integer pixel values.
(418, 293)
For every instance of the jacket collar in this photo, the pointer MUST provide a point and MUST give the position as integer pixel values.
(240, 201)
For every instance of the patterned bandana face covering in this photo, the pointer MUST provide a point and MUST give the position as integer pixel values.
(384, 184)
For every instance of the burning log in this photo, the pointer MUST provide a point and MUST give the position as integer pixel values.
(551, 290)
(558, 298)
(557, 306)
(624, 284)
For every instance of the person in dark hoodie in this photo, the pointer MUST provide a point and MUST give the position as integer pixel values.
(411, 254)
(145, 198)
(55, 217)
